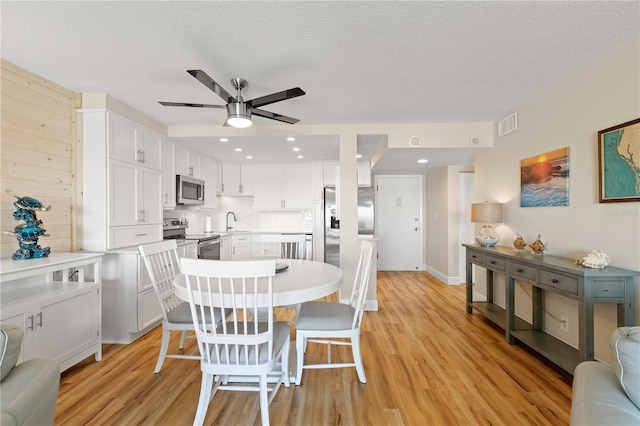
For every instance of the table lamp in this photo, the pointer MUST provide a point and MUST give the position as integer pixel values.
(486, 213)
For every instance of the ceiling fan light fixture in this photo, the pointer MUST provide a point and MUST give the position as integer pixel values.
(239, 115)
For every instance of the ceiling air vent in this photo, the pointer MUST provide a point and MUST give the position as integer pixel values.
(508, 124)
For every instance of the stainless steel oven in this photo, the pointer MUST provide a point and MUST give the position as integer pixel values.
(209, 249)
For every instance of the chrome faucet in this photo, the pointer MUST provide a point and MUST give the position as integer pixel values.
(235, 219)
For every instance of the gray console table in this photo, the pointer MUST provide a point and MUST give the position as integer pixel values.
(559, 275)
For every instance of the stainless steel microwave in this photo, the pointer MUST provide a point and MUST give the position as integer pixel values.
(189, 190)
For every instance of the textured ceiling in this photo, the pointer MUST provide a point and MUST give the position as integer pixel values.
(359, 62)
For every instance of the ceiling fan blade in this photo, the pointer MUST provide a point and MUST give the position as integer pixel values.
(276, 97)
(183, 104)
(203, 78)
(273, 116)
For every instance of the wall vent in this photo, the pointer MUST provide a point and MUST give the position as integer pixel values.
(508, 124)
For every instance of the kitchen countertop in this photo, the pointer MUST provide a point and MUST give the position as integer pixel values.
(180, 243)
(260, 231)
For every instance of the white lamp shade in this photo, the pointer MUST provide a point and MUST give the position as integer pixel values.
(486, 212)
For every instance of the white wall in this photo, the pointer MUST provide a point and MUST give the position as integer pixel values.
(570, 115)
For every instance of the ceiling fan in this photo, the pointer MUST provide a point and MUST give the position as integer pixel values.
(239, 111)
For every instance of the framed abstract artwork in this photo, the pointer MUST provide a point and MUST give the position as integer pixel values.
(619, 162)
(544, 179)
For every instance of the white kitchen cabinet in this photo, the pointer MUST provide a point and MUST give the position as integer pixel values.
(134, 194)
(208, 174)
(119, 195)
(56, 301)
(265, 183)
(225, 247)
(276, 187)
(169, 174)
(187, 162)
(331, 173)
(130, 306)
(133, 143)
(231, 179)
(297, 184)
(217, 167)
(241, 247)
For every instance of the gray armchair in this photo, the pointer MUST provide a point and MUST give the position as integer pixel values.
(29, 390)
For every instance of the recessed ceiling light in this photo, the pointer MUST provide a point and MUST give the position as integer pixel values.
(296, 149)
(249, 157)
(291, 139)
(238, 149)
(224, 140)
(300, 156)
(359, 156)
(423, 160)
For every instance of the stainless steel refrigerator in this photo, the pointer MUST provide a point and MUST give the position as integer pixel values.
(332, 220)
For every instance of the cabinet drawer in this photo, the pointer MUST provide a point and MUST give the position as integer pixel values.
(561, 282)
(494, 263)
(607, 289)
(125, 236)
(241, 239)
(473, 257)
(518, 270)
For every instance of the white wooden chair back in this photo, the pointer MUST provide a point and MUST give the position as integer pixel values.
(285, 246)
(162, 263)
(361, 281)
(238, 286)
(242, 345)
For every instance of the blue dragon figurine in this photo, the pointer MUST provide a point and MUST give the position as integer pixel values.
(28, 233)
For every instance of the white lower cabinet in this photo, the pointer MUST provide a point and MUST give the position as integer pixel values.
(130, 306)
(57, 303)
(241, 247)
(225, 248)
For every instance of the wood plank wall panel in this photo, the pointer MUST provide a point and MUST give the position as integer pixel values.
(38, 157)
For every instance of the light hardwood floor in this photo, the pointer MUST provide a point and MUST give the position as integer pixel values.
(427, 362)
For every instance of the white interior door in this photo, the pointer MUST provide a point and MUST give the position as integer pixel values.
(399, 223)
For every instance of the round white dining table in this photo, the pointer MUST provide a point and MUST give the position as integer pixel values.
(302, 281)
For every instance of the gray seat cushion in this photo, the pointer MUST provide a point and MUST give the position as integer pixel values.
(281, 332)
(181, 314)
(325, 316)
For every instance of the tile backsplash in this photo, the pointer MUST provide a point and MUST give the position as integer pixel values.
(248, 218)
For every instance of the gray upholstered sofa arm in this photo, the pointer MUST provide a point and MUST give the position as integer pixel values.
(598, 398)
(29, 390)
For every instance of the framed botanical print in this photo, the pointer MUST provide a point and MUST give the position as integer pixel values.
(619, 162)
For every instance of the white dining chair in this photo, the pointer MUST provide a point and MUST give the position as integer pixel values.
(326, 322)
(284, 246)
(162, 264)
(242, 345)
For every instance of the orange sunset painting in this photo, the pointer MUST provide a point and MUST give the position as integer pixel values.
(544, 179)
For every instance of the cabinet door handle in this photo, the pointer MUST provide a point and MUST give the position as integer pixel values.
(39, 314)
(140, 235)
(493, 262)
(30, 320)
(520, 270)
(555, 281)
